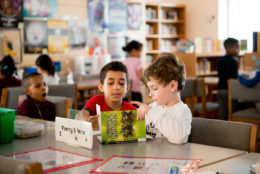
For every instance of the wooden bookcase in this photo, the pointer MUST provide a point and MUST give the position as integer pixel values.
(165, 24)
(204, 64)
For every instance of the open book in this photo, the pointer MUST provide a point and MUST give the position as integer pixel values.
(120, 127)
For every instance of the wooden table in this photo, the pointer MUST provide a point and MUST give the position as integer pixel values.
(86, 85)
(159, 147)
(237, 165)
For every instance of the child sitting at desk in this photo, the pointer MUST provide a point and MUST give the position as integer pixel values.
(167, 116)
(35, 105)
(114, 84)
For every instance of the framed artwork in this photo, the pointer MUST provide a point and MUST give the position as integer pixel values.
(115, 44)
(10, 44)
(117, 15)
(11, 12)
(77, 32)
(134, 13)
(97, 15)
(40, 8)
(58, 40)
(35, 36)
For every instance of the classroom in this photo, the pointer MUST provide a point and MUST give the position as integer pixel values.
(129, 86)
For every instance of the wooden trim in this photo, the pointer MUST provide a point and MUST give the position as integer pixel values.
(229, 101)
(20, 97)
(246, 120)
(68, 104)
(252, 147)
(203, 97)
(4, 97)
(75, 106)
(33, 168)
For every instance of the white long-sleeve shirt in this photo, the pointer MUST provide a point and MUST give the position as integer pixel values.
(173, 122)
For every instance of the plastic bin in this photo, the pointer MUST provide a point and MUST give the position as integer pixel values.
(7, 117)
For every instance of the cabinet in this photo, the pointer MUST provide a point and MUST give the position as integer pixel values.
(204, 64)
(165, 25)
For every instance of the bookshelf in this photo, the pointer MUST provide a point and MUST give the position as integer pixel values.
(165, 24)
(204, 64)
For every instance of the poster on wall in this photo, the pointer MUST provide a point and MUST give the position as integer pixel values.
(77, 31)
(134, 13)
(115, 44)
(97, 15)
(35, 36)
(117, 15)
(40, 8)
(11, 12)
(57, 36)
(10, 44)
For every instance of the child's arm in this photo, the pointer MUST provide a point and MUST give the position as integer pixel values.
(84, 115)
(175, 125)
(142, 110)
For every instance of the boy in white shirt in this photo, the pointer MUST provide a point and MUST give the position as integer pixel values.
(167, 116)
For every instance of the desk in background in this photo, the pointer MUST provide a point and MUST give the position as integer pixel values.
(159, 147)
(85, 86)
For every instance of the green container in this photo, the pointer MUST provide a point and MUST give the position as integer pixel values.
(7, 125)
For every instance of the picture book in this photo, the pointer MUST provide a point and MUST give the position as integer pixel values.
(121, 126)
(138, 164)
(54, 159)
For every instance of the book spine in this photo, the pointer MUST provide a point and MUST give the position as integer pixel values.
(254, 41)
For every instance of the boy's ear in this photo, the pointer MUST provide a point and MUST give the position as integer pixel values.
(128, 87)
(100, 87)
(27, 91)
(174, 85)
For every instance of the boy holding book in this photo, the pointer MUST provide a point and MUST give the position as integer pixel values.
(114, 84)
(167, 116)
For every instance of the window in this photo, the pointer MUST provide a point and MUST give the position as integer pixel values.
(237, 18)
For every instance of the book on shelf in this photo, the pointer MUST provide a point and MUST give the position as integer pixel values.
(166, 45)
(121, 127)
(169, 14)
(149, 45)
(149, 29)
(203, 66)
(150, 13)
(169, 30)
(243, 44)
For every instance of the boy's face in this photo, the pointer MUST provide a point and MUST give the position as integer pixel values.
(37, 89)
(115, 86)
(233, 50)
(162, 95)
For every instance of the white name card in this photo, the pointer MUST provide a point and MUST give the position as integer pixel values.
(74, 132)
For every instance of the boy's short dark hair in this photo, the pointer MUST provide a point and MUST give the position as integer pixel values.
(28, 77)
(167, 67)
(112, 66)
(230, 42)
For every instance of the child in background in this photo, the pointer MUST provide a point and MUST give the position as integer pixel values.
(35, 105)
(167, 116)
(7, 69)
(134, 67)
(227, 69)
(46, 67)
(114, 84)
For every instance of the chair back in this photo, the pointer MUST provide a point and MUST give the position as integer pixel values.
(240, 92)
(9, 98)
(187, 94)
(64, 90)
(62, 104)
(15, 166)
(228, 134)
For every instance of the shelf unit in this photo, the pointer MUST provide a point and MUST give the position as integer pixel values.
(165, 24)
(204, 64)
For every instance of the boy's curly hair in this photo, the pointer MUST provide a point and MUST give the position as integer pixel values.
(167, 67)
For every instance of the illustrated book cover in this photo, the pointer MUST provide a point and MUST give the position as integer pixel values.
(120, 127)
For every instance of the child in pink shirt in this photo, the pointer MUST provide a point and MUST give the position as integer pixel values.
(134, 67)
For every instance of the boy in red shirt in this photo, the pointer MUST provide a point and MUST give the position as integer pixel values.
(114, 84)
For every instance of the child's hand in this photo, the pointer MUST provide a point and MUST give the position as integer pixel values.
(85, 116)
(142, 110)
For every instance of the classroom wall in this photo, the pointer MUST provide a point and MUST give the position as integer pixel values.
(199, 22)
